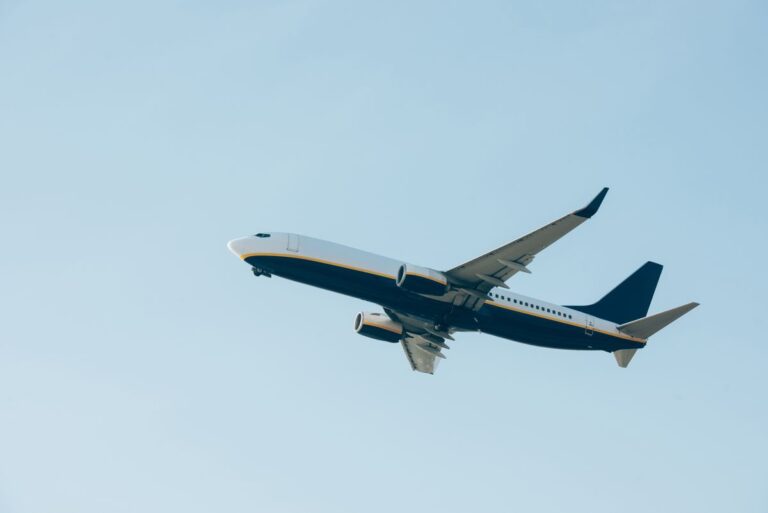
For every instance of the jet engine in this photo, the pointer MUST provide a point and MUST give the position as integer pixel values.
(421, 280)
(378, 326)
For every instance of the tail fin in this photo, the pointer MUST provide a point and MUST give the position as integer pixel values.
(630, 300)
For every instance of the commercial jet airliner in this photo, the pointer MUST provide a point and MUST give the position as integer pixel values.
(424, 307)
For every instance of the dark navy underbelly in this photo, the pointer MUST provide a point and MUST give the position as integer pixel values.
(362, 285)
(382, 290)
(539, 331)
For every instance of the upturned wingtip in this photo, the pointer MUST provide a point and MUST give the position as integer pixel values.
(593, 206)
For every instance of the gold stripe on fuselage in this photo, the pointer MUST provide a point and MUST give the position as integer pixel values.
(576, 324)
(489, 302)
(320, 261)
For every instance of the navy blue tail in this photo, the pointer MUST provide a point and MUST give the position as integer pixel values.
(630, 300)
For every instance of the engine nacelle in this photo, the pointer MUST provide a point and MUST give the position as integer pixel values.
(421, 280)
(378, 326)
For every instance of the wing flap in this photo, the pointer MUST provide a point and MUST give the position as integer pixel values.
(422, 344)
(422, 357)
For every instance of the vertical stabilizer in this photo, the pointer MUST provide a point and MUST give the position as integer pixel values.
(630, 300)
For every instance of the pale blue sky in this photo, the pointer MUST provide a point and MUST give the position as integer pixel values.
(143, 369)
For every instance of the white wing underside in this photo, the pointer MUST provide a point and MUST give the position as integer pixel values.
(419, 359)
(423, 349)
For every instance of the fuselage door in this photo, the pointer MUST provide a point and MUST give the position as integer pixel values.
(589, 328)
(293, 242)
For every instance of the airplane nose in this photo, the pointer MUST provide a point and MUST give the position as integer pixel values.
(240, 247)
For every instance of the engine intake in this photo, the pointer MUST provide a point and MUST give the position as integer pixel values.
(421, 280)
(378, 326)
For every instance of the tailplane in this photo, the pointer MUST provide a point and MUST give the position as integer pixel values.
(647, 326)
(630, 300)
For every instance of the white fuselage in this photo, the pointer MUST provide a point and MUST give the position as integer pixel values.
(268, 249)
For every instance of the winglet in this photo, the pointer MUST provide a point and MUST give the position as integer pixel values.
(591, 209)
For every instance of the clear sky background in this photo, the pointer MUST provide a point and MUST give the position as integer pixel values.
(143, 369)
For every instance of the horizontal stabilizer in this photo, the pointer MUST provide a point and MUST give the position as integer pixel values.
(647, 326)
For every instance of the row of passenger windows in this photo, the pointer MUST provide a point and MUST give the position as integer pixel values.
(537, 307)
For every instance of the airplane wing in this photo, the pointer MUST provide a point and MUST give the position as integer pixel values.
(480, 275)
(422, 357)
(422, 348)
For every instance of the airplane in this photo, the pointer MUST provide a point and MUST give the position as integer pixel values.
(424, 308)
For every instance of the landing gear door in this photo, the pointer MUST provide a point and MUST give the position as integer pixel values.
(293, 242)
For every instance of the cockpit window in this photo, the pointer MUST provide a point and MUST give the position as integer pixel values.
(262, 235)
